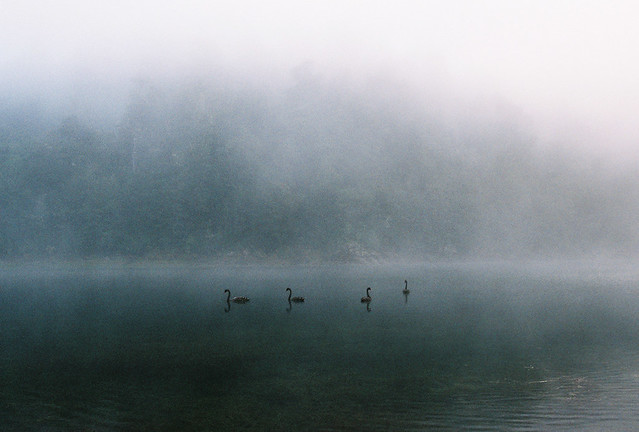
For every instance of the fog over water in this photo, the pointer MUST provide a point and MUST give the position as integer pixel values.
(154, 154)
(139, 346)
(328, 130)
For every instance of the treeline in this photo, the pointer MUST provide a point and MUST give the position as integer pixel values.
(313, 171)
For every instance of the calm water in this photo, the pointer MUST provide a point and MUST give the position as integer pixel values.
(473, 347)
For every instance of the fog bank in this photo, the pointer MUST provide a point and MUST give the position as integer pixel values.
(317, 167)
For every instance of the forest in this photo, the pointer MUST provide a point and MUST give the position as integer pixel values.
(317, 170)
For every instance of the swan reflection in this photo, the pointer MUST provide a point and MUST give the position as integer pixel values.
(367, 299)
(405, 291)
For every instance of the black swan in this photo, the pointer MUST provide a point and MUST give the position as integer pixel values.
(406, 290)
(294, 299)
(240, 299)
(368, 298)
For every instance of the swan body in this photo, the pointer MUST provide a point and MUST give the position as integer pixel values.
(240, 299)
(294, 299)
(368, 298)
(406, 290)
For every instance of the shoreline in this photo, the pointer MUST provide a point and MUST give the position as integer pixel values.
(593, 263)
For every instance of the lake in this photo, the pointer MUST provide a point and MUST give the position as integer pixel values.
(474, 346)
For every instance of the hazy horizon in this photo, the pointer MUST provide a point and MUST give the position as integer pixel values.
(345, 128)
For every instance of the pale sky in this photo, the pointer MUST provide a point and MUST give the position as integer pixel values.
(556, 59)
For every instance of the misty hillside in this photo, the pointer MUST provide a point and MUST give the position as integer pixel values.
(316, 170)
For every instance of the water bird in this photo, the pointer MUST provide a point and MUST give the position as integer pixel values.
(240, 299)
(368, 298)
(294, 299)
(406, 290)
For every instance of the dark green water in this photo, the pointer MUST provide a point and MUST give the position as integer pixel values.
(472, 347)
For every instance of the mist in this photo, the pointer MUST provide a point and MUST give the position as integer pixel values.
(367, 135)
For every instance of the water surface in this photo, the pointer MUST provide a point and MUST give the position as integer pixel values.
(473, 346)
